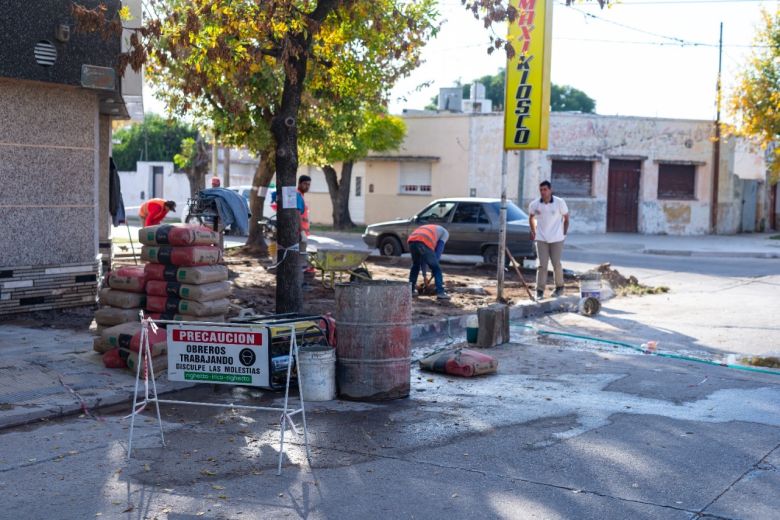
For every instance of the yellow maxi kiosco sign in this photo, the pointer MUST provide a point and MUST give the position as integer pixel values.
(527, 103)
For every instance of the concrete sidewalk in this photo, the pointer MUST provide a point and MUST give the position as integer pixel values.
(47, 373)
(747, 245)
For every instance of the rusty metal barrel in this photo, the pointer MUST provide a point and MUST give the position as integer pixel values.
(373, 349)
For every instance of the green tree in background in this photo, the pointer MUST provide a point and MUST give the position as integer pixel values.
(755, 103)
(344, 133)
(156, 139)
(563, 98)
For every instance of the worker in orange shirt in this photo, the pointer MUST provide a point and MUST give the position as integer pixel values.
(153, 211)
(426, 244)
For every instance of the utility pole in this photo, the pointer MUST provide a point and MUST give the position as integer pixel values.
(716, 144)
(214, 156)
(226, 166)
(501, 232)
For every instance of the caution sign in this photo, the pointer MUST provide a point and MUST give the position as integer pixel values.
(527, 95)
(227, 355)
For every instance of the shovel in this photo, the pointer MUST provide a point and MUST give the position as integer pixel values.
(517, 270)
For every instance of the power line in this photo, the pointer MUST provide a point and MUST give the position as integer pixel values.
(675, 39)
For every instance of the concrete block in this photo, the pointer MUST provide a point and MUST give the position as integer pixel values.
(493, 325)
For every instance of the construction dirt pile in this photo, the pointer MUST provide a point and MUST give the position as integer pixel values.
(625, 286)
(469, 286)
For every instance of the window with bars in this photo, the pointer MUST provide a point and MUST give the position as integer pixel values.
(572, 178)
(415, 178)
(676, 181)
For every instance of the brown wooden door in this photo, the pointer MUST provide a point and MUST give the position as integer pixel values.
(623, 196)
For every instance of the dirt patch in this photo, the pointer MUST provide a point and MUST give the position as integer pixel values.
(626, 286)
(469, 286)
(762, 361)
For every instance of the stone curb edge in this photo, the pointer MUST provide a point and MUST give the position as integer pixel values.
(453, 325)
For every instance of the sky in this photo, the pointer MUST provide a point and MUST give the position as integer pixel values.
(628, 57)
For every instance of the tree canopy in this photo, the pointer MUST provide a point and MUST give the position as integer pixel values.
(755, 102)
(563, 98)
(155, 139)
(256, 69)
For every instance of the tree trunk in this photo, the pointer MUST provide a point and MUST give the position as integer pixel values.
(289, 275)
(255, 244)
(338, 189)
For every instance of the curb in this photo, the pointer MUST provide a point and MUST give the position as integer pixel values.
(711, 254)
(59, 412)
(452, 325)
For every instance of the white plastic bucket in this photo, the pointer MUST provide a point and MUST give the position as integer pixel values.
(317, 370)
(590, 285)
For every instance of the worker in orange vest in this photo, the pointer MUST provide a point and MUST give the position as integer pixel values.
(153, 211)
(426, 244)
(304, 183)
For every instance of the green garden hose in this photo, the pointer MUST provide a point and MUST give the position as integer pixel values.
(651, 352)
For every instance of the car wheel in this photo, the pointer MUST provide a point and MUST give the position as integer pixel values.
(490, 255)
(390, 246)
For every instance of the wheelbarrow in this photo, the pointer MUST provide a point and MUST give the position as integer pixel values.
(335, 264)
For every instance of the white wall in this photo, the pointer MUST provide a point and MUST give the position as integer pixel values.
(137, 185)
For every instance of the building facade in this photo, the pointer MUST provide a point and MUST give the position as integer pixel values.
(59, 90)
(618, 174)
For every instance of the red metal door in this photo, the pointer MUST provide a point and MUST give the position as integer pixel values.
(623, 196)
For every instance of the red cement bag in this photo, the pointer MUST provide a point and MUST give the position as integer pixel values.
(182, 256)
(202, 293)
(176, 305)
(128, 336)
(181, 235)
(460, 362)
(173, 316)
(192, 275)
(112, 359)
(122, 299)
(129, 278)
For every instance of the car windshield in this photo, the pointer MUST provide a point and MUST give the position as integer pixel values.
(512, 211)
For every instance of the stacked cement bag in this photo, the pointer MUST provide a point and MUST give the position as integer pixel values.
(121, 346)
(184, 281)
(124, 297)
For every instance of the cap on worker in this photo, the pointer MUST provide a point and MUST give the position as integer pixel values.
(215, 182)
(171, 205)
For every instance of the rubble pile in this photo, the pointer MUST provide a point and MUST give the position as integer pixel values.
(625, 285)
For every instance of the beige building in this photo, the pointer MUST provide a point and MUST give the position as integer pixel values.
(629, 174)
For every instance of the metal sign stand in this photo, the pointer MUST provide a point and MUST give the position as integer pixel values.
(287, 412)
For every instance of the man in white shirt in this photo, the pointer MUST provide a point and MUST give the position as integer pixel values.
(549, 222)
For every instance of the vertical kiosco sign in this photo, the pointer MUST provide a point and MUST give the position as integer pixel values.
(527, 102)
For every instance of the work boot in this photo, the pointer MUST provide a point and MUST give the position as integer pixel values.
(558, 292)
(415, 294)
(539, 294)
(442, 296)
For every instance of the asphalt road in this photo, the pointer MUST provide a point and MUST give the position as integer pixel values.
(563, 431)
(716, 306)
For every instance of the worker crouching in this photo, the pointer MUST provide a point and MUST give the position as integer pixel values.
(426, 244)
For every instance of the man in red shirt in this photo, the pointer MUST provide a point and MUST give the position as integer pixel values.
(153, 211)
